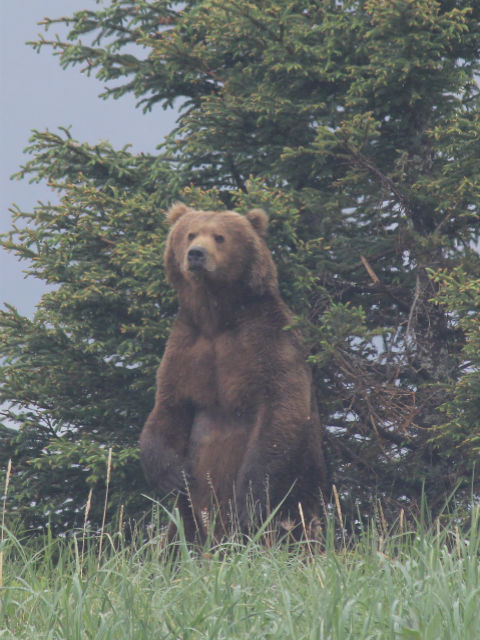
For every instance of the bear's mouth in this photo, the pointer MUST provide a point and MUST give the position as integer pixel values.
(196, 267)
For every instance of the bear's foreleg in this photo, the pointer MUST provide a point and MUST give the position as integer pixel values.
(163, 446)
(276, 452)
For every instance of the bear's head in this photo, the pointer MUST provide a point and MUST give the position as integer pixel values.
(219, 247)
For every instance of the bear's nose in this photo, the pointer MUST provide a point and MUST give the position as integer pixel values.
(197, 257)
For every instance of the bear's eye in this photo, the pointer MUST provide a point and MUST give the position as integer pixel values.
(191, 236)
(219, 239)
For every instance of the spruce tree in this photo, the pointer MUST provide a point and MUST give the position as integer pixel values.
(355, 124)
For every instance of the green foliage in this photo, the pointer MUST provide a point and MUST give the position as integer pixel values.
(80, 375)
(460, 433)
(355, 124)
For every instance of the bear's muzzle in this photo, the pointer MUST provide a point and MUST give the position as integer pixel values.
(197, 258)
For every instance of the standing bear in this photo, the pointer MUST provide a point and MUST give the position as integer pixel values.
(234, 431)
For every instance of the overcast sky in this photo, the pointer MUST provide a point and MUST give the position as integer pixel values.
(38, 94)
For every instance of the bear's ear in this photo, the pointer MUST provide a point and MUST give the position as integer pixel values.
(259, 221)
(176, 211)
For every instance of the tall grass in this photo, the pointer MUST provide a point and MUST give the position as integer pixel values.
(422, 583)
(4, 511)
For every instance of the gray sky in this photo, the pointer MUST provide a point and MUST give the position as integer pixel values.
(38, 94)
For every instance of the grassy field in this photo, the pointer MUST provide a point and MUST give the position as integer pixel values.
(421, 584)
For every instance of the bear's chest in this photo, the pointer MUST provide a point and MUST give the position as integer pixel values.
(224, 370)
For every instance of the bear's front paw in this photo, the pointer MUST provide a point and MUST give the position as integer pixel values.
(173, 478)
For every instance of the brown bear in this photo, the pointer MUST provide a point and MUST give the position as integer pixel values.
(234, 430)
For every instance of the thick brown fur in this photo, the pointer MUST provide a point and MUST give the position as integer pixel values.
(234, 425)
